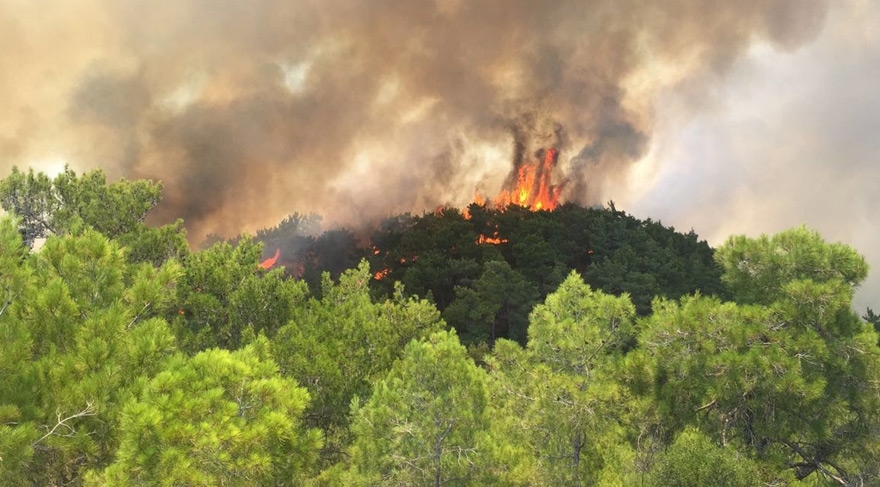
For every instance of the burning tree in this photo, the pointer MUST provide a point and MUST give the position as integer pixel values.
(531, 183)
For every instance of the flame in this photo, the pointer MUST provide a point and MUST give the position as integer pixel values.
(381, 274)
(385, 272)
(493, 240)
(533, 187)
(479, 200)
(268, 263)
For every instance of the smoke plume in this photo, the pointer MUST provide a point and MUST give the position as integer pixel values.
(357, 109)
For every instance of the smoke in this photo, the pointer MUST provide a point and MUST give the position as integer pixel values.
(356, 109)
(793, 141)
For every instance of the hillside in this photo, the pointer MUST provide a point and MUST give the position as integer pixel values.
(485, 267)
(579, 346)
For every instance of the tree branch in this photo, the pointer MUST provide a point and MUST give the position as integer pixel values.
(88, 411)
(816, 464)
(705, 406)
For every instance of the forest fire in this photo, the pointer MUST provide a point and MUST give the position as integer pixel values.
(385, 272)
(529, 185)
(495, 239)
(379, 275)
(533, 187)
(268, 263)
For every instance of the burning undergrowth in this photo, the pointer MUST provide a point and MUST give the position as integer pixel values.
(449, 254)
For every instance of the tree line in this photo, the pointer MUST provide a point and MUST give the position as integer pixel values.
(584, 347)
(485, 268)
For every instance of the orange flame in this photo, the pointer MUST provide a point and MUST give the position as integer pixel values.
(534, 188)
(493, 240)
(381, 274)
(268, 263)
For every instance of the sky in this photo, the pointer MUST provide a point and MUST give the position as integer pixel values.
(723, 117)
(792, 138)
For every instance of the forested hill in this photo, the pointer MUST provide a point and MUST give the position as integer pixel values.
(128, 359)
(486, 268)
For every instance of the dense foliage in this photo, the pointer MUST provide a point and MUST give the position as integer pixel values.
(486, 268)
(579, 347)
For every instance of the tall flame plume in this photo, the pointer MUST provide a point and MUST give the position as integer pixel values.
(533, 186)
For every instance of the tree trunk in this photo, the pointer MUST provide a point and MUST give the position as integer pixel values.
(577, 445)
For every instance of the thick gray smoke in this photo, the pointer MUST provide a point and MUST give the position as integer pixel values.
(249, 110)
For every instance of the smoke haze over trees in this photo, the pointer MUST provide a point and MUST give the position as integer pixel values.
(590, 346)
(358, 110)
(761, 111)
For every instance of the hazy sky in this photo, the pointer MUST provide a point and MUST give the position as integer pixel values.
(792, 138)
(726, 117)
